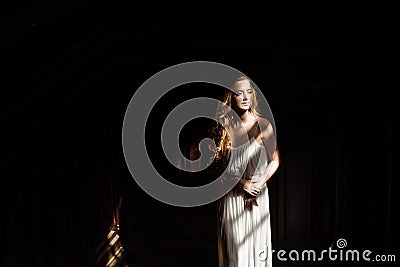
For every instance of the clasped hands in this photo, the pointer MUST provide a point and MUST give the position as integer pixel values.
(250, 186)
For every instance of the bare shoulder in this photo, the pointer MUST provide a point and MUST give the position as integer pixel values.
(263, 120)
(264, 123)
(267, 131)
(267, 134)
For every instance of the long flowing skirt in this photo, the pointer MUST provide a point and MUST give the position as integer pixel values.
(244, 236)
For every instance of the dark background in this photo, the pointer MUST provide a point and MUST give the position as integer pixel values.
(327, 69)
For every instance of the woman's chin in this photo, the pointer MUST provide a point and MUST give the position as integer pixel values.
(242, 108)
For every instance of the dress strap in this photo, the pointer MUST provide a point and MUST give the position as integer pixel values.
(255, 128)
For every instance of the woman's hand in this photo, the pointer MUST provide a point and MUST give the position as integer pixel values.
(249, 186)
(249, 201)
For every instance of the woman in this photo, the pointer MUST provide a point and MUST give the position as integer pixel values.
(247, 146)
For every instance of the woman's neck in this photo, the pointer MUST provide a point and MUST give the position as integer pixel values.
(245, 115)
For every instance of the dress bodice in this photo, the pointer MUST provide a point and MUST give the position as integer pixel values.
(249, 158)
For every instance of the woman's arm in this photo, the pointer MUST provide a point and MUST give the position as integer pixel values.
(269, 141)
(247, 185)
(269, 170)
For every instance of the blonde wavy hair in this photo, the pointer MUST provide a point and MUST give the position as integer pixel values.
(225, 119)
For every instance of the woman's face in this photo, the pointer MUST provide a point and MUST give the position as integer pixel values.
(244, 94)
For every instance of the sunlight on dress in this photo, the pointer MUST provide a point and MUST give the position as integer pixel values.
(245, 236)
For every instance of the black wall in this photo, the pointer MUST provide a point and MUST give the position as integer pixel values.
(72, 68)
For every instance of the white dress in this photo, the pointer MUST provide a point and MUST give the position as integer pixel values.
(244, 237)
